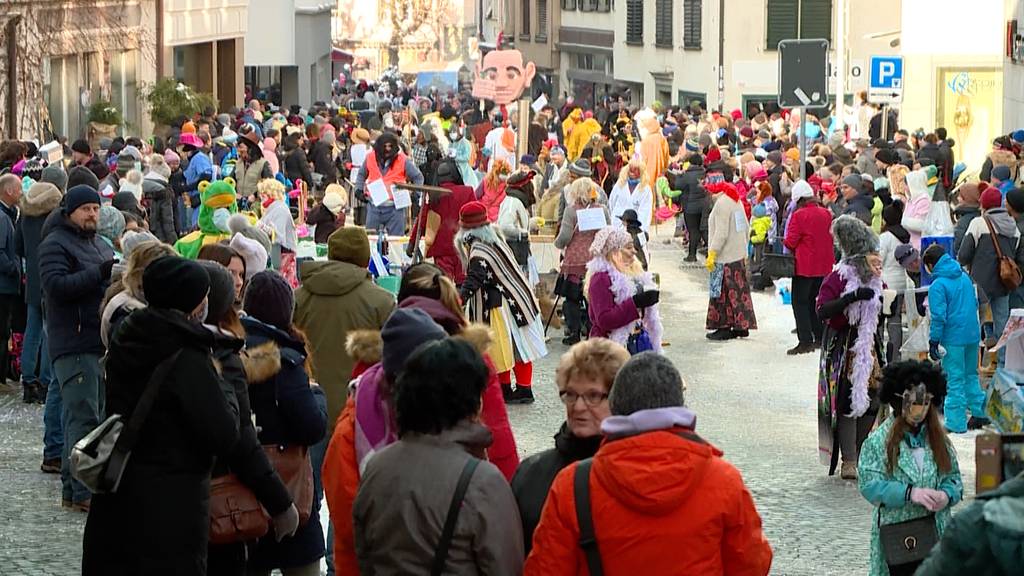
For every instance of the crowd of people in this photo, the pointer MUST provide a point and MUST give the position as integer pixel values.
(170, 266)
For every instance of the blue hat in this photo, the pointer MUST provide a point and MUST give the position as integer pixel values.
(760, 211)
(79, 195)
(692, 145)
(1001, 173)
(1018, 136)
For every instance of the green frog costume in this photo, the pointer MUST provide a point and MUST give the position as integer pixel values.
(217, 195)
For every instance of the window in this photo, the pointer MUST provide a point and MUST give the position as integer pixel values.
(688, 99)
(795, 19)
(691, 24)
(663, 23)
(568, 4)
(524, 5)
(542, 19)
(604, 5)
(634, 22)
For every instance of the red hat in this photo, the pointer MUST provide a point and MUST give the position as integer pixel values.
(736, 114)
(473, 215)
(991, 198)
(747, 132)
(713, 155)
(588, 114)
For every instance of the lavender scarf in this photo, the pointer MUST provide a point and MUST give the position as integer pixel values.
(864, 315)
(375, 420)
(623, 288)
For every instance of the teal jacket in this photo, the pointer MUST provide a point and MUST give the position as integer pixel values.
(953, 303)
(985, 539)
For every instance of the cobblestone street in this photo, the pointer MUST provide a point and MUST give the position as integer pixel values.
(752, 401)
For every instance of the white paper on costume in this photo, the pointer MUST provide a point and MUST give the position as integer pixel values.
(590, 219)
(108, 191)
(378, 192)
(539, 103)
(642, 237)
(741, 220)
(402, 198)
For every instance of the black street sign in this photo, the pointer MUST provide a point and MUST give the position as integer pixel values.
(803, 73)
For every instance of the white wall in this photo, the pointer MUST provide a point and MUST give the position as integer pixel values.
(191, 21)
(1013, 76)
(271, 45)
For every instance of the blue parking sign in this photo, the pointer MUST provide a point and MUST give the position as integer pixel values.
(885, 83)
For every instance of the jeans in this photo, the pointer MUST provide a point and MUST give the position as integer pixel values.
(1000, 315)
(963, 390)
(805, 295)
(391, 219)
(35, 358)
(53, 424)
(82, 392)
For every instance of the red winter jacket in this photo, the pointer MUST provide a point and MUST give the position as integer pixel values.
(661, 505)
(809, 237)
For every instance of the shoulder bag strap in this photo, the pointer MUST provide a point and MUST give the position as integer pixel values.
(130, 435)
(441, 553)
(992, 235)
(584, 517)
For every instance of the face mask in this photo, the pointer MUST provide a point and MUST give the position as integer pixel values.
(632, 181)
(200, 314)
(916, 403)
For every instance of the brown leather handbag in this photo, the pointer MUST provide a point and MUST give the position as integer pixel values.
(235, 513)
(1009, 272)
(293, 466)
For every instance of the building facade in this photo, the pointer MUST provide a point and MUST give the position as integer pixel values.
(288, 51)
(535, 28)
(586, 45)
(203, 45)
(59, 58)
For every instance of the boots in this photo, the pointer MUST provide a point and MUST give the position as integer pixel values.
(506, 392)
(28, 393)
(521, 395)
(571, 338)
(848, 471)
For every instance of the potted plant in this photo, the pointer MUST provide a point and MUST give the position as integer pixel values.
(169, 100)
(104, 120)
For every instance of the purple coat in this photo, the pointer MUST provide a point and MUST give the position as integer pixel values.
(605, 314)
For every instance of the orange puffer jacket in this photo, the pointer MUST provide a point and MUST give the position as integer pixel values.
(659, 501)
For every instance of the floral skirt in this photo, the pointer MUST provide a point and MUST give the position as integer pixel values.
(732, 309)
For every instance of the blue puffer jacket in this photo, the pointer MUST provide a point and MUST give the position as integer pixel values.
(953, 304)
(73, 286)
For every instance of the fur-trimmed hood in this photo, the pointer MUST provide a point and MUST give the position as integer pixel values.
(40, 199)
(261, 362)
(365, 346)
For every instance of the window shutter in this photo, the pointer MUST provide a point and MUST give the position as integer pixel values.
(524, 5)
(692, 24)
(663, 23)
(816, 19)
(542, 18)
(568, 4)
(782, 22)
(634, 22)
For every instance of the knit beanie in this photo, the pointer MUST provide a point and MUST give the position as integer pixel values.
(82, 175)
(610, 239)
(55, 175)
(334, 201)
(403, 332)
(132, 238)
(1001, 173)
(269, 299)
(473, 215)
(254, 254)
(222, 290)
(171, 157)
(991, 198)
(111, 223)
(174, 283)
(79, 195)
(970, 193)
(349, 244)
(1015, 200)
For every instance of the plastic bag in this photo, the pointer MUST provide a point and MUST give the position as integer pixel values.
(917, 341)
(1004, 401)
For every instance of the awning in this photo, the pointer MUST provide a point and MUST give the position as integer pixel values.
(339, 55)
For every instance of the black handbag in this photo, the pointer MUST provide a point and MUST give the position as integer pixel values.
(906, 544)
(779, 265)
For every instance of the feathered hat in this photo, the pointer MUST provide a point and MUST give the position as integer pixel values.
(853, 237)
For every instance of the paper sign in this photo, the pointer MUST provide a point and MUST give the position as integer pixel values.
(51, 152)
(402, 198)
(642, 237)
(539, 103)
(741, 220)
(590, 219)
(378, 192)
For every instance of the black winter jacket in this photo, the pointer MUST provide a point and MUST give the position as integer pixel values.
(323, 163)
(326, 223)
(691, 184)
(36, 205)
(159, 200)
(296, 166)
(534, 477)
(158, 521)
(73, 287)
(288, 412)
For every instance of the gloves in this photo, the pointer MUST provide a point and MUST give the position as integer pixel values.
(646, 299)
(105, 269)
(286, 523)
(933, 500)
(710, 263)
(863, 293)
(933, 351)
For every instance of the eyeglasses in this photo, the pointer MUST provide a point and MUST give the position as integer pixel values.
(591, 398)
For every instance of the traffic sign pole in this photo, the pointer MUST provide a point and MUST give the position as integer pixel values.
(802, 139)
